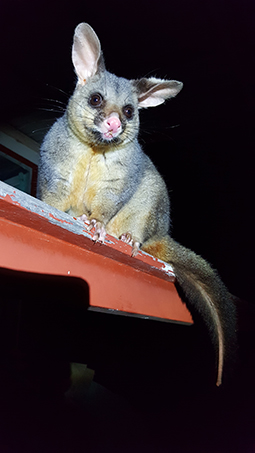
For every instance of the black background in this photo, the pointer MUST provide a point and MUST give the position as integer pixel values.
(201, 142)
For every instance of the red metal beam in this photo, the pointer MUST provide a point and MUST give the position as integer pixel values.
(35, 237)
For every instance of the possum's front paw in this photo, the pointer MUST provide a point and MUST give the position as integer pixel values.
(83, 217)
(99, 230)
(127, 237)
(99, 233)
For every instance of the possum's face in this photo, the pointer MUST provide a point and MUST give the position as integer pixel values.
(104, 112)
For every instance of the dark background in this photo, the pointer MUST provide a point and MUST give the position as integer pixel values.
(201, 142)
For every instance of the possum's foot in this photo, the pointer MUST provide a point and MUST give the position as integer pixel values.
(99, 233)
(127, 237)
(84, 219)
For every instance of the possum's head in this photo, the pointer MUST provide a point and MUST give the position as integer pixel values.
(103, 110)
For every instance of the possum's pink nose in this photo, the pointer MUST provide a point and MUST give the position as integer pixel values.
(113, 124)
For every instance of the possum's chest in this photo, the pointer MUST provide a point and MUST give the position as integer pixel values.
(88, 175)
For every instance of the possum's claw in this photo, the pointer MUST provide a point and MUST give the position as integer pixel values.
(99, 233)
(83, 217)
(127, 237)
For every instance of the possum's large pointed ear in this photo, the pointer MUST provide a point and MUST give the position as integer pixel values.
(86, 53)
(152, 91)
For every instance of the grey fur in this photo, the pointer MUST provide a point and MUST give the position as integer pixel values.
(92, 164)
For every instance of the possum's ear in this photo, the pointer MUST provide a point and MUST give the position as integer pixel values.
(86, 53)
(152, 91)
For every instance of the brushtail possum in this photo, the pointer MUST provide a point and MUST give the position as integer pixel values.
(92, 167)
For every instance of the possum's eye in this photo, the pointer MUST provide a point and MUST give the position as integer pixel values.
(96, 100)
(128, 111)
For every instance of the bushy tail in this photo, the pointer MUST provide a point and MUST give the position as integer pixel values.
(202, 290)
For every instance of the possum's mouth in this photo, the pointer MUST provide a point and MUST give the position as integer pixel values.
(98, 137)
(109, 135)
(106, 138)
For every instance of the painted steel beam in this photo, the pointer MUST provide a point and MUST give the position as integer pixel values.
(35, 237)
